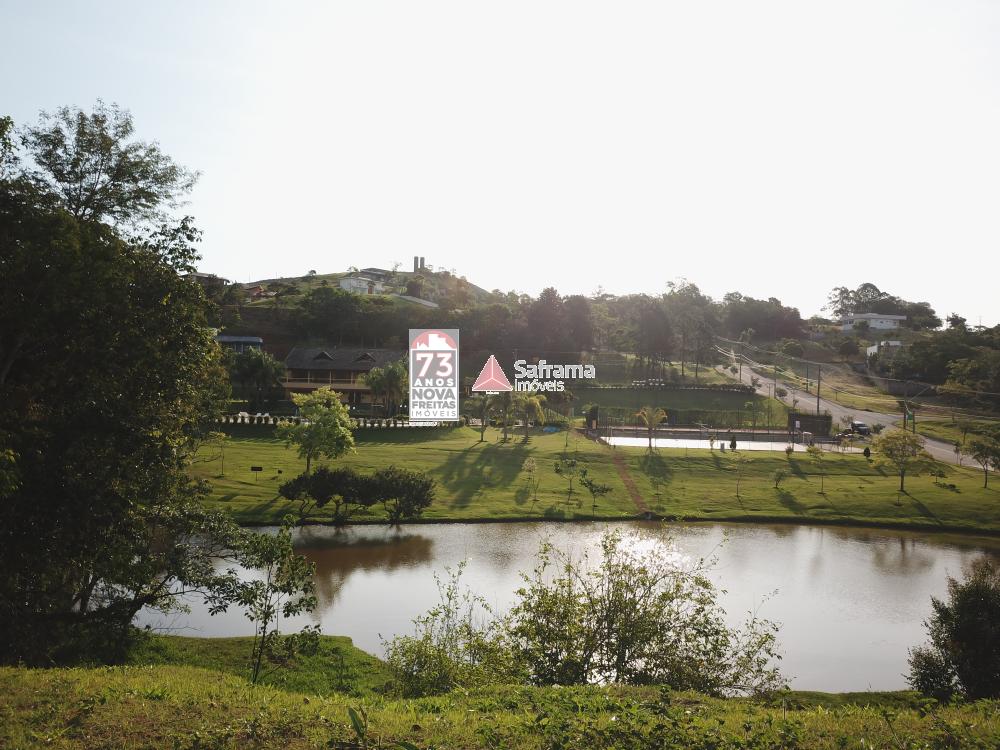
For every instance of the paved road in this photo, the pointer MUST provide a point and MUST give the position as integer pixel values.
(939, 449)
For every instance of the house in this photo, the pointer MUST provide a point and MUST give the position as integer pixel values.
(876, 321)
(255, 292)
(377, 274)
(240, 344)
(357, 283)
(341, 368)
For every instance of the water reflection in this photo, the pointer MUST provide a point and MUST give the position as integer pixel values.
(851, 600)
(339, 555)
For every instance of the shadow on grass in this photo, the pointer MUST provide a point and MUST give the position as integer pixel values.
(924, 510)
(655, 467)
(788, 501)
(465, 472)
(796, 468)
(522, 495)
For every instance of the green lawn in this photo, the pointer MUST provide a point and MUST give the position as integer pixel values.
(951, 431)
(337, 667)
(484, 481)
(189, 707)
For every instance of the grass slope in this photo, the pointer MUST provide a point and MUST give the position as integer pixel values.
(187, 707)
(337, 667)
(484, 481)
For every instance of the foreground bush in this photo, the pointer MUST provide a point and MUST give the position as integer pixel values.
(964, 650)
(641, 615)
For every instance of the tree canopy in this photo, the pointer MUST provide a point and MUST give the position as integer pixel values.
(109, 379)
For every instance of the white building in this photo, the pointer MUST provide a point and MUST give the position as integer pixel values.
(358, 284)
(876, 321)
(885, 350)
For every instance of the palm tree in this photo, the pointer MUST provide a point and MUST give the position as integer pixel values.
(375, 379)
(483, 402)
(651, 417)
(504, 403)
(395, 382)
(531, 404)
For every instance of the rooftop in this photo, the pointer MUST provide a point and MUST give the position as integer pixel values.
(340, 358)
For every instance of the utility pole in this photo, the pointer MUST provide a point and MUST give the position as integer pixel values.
(819, 379)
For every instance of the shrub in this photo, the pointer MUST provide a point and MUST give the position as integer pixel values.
(636, 616)
(964, 648)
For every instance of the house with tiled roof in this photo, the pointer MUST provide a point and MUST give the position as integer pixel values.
(341, 368)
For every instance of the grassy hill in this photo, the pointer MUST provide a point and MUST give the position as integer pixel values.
(188, 707)
(436, 284)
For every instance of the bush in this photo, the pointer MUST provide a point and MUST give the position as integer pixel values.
(930, 673)
(455, 645)
(632, 617)
(964, 649)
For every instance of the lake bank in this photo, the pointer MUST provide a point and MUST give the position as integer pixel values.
(486, 481)
(851, 601)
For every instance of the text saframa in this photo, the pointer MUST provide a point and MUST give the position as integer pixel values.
(546, 377)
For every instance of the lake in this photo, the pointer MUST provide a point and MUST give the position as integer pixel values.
(851, 601)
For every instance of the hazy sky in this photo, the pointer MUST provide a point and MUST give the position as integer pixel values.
(779, 149)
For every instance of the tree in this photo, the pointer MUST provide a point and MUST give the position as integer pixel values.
(848, 348)
(532, 408)
(817, 456)
(389, 384)
(530, 470)
(740, 463)
(651, 417)
(480, 405)
(964, 631)
(504, 403)
(257, 373)
(903, 452)
(595, 488)
(403, 493)
(792, 348)
(285, 590)
(106, 392)
(986, 453)
(324, 429)
(343, 487)
(567, 467)
(633, 616)
(92, 162)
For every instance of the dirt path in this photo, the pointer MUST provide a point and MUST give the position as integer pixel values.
(633, 491)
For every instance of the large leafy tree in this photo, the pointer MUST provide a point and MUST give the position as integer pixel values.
(109, 377)
(325, 427)
(100, 172)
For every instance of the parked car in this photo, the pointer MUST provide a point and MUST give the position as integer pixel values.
(861, 428)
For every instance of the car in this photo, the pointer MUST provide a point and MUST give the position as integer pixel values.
(861, 428)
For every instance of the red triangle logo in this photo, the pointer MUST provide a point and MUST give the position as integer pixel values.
(492, 378)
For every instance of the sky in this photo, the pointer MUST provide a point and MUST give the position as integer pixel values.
(774, 148)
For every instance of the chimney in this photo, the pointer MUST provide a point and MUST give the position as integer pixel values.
(416, 267)
(421, 262)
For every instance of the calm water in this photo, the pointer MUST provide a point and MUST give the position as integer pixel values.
(850, 601)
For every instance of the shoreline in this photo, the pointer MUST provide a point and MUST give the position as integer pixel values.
(652, 517)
